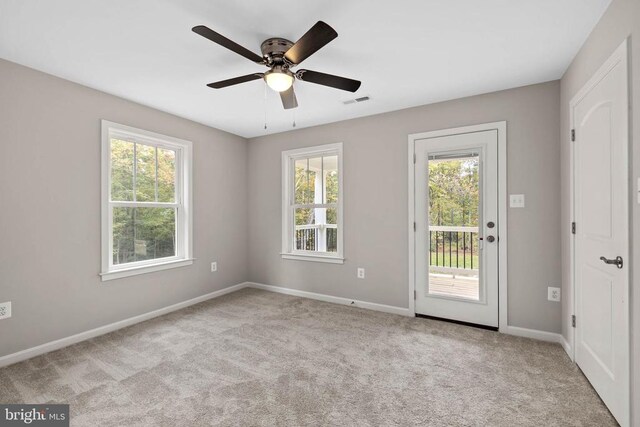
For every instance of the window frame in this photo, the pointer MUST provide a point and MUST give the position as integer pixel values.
(182, 202)
(288, 204)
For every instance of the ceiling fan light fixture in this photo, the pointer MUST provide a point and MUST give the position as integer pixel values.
(279, 54)
(279, 80)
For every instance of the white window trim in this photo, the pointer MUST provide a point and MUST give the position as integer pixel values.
(184, 180)
(288, 157)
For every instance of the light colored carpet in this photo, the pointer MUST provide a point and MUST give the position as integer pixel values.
(260, 358)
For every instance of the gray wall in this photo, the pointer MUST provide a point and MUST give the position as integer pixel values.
(50, 210)
(375, 203)
(621, 20)
(50, 182)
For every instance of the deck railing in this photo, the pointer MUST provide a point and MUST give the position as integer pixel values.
(453, 248)
(307, 237)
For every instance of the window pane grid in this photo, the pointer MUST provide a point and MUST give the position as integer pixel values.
(313, 206)
(141, 234)
(143, 228)
(140, 173)
(315, 228)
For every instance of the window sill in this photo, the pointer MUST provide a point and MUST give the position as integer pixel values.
(314, 258)
(126, 272)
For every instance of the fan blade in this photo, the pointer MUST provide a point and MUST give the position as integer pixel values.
(312, 41)
(328, 80)
(236, 80)
(229, 44)
(288, 98)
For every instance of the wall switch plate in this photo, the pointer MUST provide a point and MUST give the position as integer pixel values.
(516, 200)
(5, 310)
(214, 266)
(553, 294)
(360, 273)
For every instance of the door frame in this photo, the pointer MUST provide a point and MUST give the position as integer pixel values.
(501, 128)
(619, 55)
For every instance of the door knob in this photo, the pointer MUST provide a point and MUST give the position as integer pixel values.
(617, 261)
(491, 239)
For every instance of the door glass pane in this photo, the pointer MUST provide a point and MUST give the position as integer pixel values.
(143, 233)
(121, 170)
(454, 201)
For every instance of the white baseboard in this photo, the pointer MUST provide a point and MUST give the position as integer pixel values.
(82, 336)
(567, 347)
(329, 298)
(533, 333)
(511, 330)
(540, 335)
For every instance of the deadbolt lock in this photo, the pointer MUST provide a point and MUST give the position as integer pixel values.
(490, 224)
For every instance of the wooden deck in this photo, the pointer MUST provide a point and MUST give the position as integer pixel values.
(458, 286)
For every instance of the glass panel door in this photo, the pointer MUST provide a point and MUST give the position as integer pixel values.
(456, 224)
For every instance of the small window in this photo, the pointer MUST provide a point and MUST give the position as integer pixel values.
(312, 204)
(146, 201)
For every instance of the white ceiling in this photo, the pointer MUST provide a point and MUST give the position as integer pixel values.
(405, 52)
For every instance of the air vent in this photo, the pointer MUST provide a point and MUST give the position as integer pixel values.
(356, 100)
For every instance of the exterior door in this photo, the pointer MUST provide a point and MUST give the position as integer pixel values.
(600, 117)
(456, 211)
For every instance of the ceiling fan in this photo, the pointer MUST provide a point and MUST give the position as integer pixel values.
(280, 55)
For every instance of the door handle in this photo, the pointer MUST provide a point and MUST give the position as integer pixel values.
(617, 261)
(490, 239)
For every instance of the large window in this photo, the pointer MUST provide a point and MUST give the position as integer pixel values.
(312, 204)
(146, 201)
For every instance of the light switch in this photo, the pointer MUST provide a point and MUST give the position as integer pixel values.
(516, 200)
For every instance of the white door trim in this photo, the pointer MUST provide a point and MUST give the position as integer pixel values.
(620, 54)
(501, 127)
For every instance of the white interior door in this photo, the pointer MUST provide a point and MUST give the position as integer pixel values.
(602, 235)
(456, 212)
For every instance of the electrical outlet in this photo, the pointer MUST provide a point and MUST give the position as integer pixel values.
(214, 266)
(360, 273)
(5, 310)
(516, 200)
(553, 294)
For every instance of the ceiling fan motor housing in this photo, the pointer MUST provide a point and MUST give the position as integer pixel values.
(274, 49)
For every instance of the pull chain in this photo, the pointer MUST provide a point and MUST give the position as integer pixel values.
(294, 117)
(265, 106)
